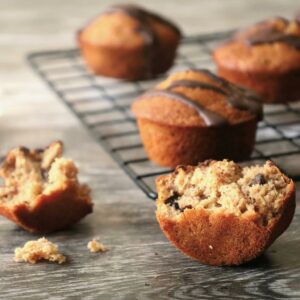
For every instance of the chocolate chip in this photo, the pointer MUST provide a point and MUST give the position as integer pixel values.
(186, 207)
(172, 199)
(176, 206)
(258, 179)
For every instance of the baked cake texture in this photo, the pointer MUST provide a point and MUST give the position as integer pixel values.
(223, 214)
(194, 115)
(35, 251)
(265, 58)
(129, 42)
(41, 192)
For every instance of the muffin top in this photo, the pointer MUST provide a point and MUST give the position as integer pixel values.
(272, 45)
(128, 26)
(198, 98)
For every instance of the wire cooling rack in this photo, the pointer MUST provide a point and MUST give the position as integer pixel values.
(103, 107)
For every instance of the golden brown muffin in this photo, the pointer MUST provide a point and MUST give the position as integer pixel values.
(41, 192)
(129, 42)
(222, 214)
(194, 115)
(265, 58)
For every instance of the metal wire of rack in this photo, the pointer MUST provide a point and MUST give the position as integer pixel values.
(103, 107)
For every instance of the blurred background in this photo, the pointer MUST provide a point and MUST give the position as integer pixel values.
(34, 25)
(30, 25)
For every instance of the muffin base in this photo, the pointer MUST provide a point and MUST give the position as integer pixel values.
(124, 63)
(274, 88)
(50, 212)
(224, 239)
(170, 146)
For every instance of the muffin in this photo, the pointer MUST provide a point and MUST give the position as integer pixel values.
(129, 42)
(222, 214)
(265, 58)
(41, 192)
(194, 115)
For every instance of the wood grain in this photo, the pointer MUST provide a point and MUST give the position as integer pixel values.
(140, 264)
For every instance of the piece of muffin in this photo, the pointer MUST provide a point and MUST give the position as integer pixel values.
(129, 42)
(265, 58)
(95, 246)
(41, 192)
(194, 115)
(36, 251)
(222, 214)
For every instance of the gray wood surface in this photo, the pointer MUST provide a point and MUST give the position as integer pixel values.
(140, 264)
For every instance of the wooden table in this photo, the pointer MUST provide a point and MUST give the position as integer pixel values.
(141, 264)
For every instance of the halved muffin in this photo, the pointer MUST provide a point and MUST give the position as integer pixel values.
(41, 192)
(222, 214)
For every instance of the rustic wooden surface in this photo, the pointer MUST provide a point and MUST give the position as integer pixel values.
(140, 264)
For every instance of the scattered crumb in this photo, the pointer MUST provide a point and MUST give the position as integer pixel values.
(95, 246)
(42, 249)
(210, 247)
(147, 284)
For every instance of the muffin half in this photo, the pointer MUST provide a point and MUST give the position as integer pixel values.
(265, 58)
(194, 115)
(222, 214)
(41, 192)
(129, 42)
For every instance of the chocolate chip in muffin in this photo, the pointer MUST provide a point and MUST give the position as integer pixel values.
(259, 179)
(172, 201)
(186, 207)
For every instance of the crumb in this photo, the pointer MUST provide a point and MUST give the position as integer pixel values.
(147, 284)
(210, 247)
(42, 249)
(95, 246)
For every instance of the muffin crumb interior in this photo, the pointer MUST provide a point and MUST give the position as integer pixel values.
(30, 173)
(224, 186)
